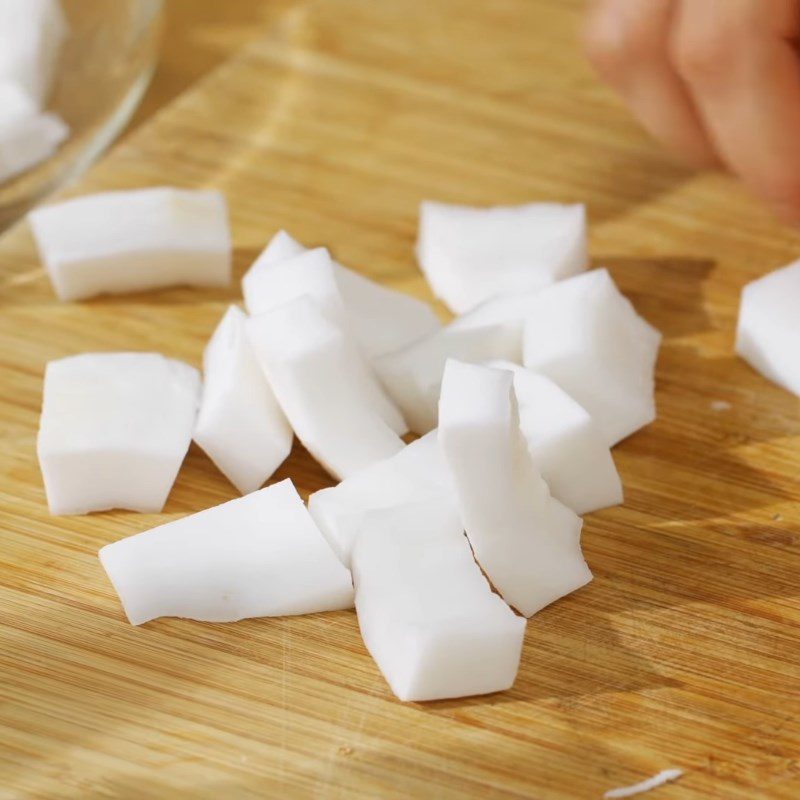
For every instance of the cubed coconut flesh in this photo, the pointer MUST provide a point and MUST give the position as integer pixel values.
(15, 103)
(417, 472)
(318, 377)
(32, 34)
(114, 430)
(586, 336)
(527, 542)
(564, 443)
(26, 141)
(427, 615)
(257, 556)
(127, 241)
(413, 375)
(381, 319)
(471, 254)
(240, 425)
(768, 335)
(270, 284)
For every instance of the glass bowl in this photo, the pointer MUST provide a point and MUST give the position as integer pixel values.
(103, 70)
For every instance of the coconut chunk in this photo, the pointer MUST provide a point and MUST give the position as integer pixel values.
(27, 140)
(413, 375)
(427, 615)
(128, 241)
(32, 34)
(586, 336)
(240, 425)
(564, 443)
(768, 335)
(380, 319)
(527, 542)
(471, 254)
(257, 556)
(114, 430)
(333, 403)
(416, 473)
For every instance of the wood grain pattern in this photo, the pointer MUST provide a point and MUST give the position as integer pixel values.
(684, 650)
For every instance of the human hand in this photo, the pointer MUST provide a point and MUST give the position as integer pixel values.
(716, 81)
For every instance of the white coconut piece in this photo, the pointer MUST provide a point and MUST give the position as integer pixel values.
(240, 425)
(331, 401)
(15, 103)
(490, 331)
(471, 254)
(427, 615)
(114, 430)
(257, 556)
(127, 241)
(418, 472)
(663, 777)
(269, 284)
(564, 443)
(768, 335)
(586, 336)
(380, 319)
(32, 34)
(26, 141)
(527, 542)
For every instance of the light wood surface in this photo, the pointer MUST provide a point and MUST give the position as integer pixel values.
(684, 650)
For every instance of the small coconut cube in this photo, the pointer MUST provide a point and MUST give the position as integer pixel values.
(564, 443)
(587, 337)
(526, 541)
(427, 614)
(471, 254)
(417, 472)
(413, 375)
(240, 425)
(128, 241)
(257, 556)
(269, 284)
(27, 140)
(15, 103)
(380, 319)
(32, 34)
(768, 335)
(114, 430)
(335, 406)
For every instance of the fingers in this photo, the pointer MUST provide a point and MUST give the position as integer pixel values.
(738, 59)
(628, 42)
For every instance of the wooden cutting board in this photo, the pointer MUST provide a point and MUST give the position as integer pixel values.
(683, 652)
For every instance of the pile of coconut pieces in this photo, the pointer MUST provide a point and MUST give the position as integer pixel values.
(445, 545)
(32, 35)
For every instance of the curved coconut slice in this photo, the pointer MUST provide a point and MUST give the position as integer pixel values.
(428, 616)
(526, 541)
(240, 424)
(413, 375)
(381, 319)
(115, 428)
(564, 443)
(26, 141)
(584, 335)
(417, 472)
(257, 556)
(32, 33)
(117, 242)
(471, 254)
(768, 335)
(330, 399)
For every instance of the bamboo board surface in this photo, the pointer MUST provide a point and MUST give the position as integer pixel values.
(683, 652)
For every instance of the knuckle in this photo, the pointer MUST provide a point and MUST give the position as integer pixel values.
(703, 57)
(615, 41)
